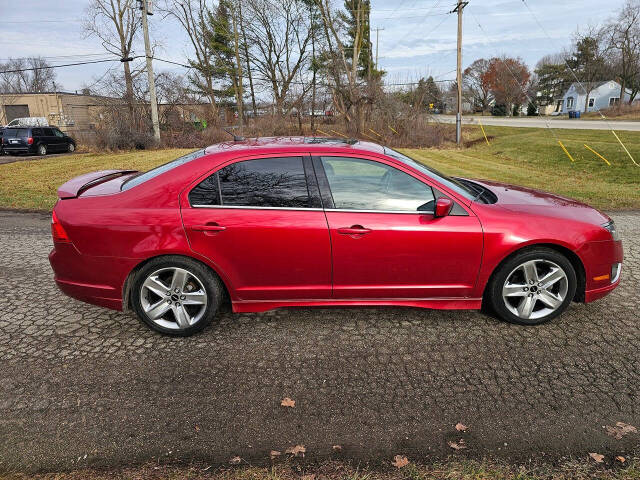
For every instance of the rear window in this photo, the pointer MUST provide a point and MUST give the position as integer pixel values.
(9, 133)
(143, 177)
(22, 132)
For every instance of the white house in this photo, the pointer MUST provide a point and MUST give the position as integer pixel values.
(601, 95)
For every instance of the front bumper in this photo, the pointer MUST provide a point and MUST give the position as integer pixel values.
(599, 258)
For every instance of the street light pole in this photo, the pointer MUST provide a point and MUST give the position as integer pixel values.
(152, 83)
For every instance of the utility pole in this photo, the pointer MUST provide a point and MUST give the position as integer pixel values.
(377, 38)
(152, 83)
(459, 8)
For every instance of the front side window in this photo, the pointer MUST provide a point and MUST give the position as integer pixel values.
(358, 184)
(58, 133)
(263, 182)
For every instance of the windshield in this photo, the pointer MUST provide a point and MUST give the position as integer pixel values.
(456, 185)
(143, 177)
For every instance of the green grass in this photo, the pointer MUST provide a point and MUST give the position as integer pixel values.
(523, 156)
(533, 157)
(33, 184)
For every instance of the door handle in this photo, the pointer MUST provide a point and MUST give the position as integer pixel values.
(209, 228)
(354, 230)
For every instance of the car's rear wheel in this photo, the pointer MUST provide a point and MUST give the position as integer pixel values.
(533, 287)
(71, 148)
(176, 295)
(42, 149)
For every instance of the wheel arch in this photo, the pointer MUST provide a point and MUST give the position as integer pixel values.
(575, 260)
(126, 287)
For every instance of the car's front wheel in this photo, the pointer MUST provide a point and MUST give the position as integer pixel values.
(176, 295)
(71, 147)
(533, 286)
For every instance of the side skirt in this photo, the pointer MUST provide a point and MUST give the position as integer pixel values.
(243, 306)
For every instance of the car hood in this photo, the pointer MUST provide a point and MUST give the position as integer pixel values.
(528, 200)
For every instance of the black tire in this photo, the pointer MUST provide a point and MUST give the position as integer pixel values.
(210, 282)
(42, 149)
(494, 289)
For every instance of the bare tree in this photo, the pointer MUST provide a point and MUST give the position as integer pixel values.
(193, 16)
(116, 23)
(588, 60)
(21, 75)
(623, 41)
(280, 34)
(476, 81)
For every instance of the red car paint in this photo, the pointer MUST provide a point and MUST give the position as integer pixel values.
(304, 257)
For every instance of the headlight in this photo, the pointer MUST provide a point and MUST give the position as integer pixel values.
(612, 230)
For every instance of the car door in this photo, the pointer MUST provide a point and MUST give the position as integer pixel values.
(386, 241)
(60, 140)
(260, 220)
(50, 140)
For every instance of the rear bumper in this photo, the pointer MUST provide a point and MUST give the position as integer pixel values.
(20, 149)
(95, 280)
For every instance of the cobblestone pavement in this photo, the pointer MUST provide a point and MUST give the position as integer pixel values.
(80, 385)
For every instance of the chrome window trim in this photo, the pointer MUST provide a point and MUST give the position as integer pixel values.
(404, 212)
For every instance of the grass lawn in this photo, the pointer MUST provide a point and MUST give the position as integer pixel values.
(523, 156)
(533, 157)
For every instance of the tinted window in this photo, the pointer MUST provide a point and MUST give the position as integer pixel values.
(264, 182)
(36, 132)
(48, 132)
(9, 132)
(143, 177)
(58, 133)
(358, 184)
(22, 132)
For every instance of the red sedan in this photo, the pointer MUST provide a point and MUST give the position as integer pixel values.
(277, 222)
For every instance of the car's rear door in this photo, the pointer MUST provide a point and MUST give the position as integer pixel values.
(386, 241)
(260, 221)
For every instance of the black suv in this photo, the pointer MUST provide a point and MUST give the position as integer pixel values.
(40, 140)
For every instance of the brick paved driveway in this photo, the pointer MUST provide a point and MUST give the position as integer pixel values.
(80, 385)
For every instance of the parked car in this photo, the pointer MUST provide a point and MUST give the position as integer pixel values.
(283, 222)
(28, 122)
(36, 140)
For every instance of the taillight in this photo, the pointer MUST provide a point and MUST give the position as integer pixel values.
(30, 140)
(57, 231)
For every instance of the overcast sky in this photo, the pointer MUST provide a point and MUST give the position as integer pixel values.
(419, 37)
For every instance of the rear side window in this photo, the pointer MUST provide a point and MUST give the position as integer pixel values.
(264, 182)
(36, 132)
(143, 177)
(48, 132)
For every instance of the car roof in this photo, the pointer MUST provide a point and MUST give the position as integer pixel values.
(295, 144)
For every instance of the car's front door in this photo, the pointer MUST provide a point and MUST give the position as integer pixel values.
(260, 220)
(386, 241)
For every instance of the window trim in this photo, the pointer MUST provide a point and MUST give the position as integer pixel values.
(301, 155)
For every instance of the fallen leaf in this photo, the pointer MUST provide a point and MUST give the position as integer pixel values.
(620, 430)
(621, 459)
(400, 461)
(597, 457)
(235, 460)
(337, 448)
(310, 476)
(298, 450)
(287, 402)
(461, 428)
(274, 453)
(459, 445)
(197, 428)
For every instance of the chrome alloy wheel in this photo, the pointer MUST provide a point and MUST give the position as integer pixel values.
(535, 289)
(173, 298)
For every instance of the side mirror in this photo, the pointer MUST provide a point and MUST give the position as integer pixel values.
(443, 207)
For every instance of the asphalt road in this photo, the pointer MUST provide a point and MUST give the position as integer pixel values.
(22, 158)
(83, 386)
(543, 122)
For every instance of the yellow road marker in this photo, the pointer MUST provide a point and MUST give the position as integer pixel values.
(625, 148)
(324, 133)
(392, 129)
(483, 132)
(369, 136)
(566, 151)
(373, 131)
(589, 148)
(338, 133)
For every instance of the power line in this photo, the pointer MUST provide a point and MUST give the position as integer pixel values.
(17, 70)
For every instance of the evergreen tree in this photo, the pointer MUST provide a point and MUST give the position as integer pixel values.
(356, 14)
(220, 37)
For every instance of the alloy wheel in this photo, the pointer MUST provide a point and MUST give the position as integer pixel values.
(173, 298)
(535, 289)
